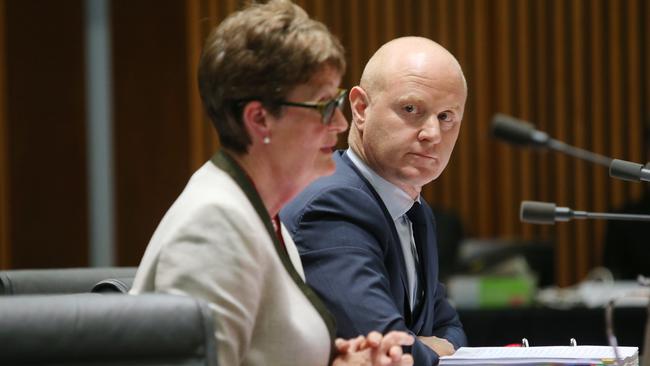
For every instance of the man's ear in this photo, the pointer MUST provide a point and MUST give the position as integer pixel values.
(255, 120)
(359, 101)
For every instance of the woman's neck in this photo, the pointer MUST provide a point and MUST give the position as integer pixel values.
(274, 191)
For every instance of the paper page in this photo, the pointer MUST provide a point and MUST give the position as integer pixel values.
(531, 355)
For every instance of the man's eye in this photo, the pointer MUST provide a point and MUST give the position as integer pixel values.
(445, 117)
(409, 108)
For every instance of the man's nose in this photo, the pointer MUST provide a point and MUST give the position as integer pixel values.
(431, 130)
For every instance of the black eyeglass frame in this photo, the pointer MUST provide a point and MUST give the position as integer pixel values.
(325, 108)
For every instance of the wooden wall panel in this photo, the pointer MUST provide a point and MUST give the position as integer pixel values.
(596, 86)
(576, 69)
(466, 140)
(5, 249)
(632, 82)
(45, 133)
(561, 120)
(151, 117)
(483, 221)
(578, 106)
(523, 104)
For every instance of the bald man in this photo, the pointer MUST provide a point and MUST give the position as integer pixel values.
(363, 248)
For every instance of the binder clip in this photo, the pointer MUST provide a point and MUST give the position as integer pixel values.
(524, 342)
(573, 343)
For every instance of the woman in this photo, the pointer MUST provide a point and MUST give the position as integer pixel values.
(269, 78)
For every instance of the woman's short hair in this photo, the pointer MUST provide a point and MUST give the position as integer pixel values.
(261, 53)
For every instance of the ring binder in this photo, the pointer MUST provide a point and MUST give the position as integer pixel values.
(572, 342)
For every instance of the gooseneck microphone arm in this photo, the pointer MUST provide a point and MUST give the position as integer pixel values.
(547, 213)
(520, 132)
(579, 153)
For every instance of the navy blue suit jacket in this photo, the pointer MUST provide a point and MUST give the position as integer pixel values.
(352, 257)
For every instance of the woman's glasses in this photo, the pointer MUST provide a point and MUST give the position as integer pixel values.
(325, 108)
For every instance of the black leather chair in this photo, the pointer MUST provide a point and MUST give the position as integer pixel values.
(80, 329)
(60, 281)
(113, 285)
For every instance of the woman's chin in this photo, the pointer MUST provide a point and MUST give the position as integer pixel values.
(325, 169)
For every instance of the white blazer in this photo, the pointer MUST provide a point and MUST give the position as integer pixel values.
(212, 244)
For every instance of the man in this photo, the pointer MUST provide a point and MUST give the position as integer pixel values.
(374, 267)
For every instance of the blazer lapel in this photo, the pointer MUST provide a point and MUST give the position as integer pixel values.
(395, 237)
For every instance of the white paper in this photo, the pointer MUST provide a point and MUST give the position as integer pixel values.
(534, 355)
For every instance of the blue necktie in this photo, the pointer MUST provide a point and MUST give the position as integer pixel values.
(418, 220)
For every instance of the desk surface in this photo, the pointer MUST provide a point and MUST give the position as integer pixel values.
(550, 327)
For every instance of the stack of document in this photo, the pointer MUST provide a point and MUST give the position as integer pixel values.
(533, 356)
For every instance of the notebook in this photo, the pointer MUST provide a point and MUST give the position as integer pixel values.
(554, 355)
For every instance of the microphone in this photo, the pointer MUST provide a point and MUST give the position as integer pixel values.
(627, 170)
(535, 212)
(520, 132)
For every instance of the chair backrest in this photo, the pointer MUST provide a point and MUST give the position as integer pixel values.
(148, 329)
(58, 281)
(113, 285)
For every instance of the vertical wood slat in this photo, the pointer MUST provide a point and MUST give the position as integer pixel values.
(215, 16)
(564, 244)
(373, 26)
(391, 17)
(479, 87)
(523, 73)
(5, 225)
(615, 97)
(464, 202)
(645, 101)
(195, 111)
(541, 103)
(578, 118)
(355, 59)
(635, 151)
(505, 153)
(425, 15)
(600, 188)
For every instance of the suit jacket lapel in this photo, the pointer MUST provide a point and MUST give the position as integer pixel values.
(395, 237)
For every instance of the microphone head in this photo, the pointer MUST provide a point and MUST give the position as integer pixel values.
(535, 212)
(625, 170)
(516, 131)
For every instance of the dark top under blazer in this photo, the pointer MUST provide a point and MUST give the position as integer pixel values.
(352, 257)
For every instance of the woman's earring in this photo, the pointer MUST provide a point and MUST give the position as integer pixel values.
(267, 140)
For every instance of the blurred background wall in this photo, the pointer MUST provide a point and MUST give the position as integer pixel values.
(578, 69)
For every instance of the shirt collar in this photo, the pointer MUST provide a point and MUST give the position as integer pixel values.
(395, 199)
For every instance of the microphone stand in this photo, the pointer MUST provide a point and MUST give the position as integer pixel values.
(535, 212)
(610, 216)
(519, 132)
(579, 153)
